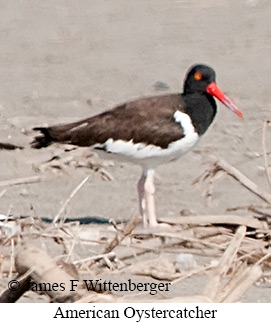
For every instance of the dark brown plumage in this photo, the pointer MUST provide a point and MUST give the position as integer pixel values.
(154, 115)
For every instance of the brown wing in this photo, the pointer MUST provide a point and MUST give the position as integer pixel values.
(148, 120)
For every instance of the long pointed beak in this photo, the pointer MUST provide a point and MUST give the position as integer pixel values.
(214, 90)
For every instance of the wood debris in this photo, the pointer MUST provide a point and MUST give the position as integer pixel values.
(234, 251)
(75, 157)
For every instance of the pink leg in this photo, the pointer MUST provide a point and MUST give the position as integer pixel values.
(142, 199)
(150, 200)
(146, 192)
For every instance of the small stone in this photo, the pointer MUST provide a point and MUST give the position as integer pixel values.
(184, 262)
(160, 86)
(187, 212)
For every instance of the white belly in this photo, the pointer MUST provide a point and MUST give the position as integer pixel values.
(150, 156)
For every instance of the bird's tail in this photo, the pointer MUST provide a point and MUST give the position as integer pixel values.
(49, 135)
(63, 133)
(43, 140)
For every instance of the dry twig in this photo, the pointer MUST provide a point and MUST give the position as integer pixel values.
(134, 221)
(266, 166)
(213, 287)
(2, 193)
(56, 218)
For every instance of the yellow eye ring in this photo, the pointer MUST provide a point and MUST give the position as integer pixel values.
(197, 76)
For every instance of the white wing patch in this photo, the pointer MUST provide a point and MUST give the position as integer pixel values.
(185, 122)
(151, 155)
(78, 127)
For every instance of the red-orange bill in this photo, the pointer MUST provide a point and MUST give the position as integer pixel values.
(214, 90)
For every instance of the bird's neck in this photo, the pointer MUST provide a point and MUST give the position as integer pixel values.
(201, 107)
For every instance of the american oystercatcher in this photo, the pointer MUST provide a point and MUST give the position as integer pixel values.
(148, 131)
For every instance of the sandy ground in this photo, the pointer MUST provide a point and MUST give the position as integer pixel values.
(67, 60)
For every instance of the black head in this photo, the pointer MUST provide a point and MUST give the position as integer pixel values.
(198, 78)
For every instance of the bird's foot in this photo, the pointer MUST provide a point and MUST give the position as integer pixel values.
(161, 225)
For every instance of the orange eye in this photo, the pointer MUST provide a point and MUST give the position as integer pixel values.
(197, 76)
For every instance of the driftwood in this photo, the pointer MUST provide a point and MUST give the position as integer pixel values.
(8, 146)
(15, 291)
(241, 281)
(229, 279)
(45, 271)
(18, 181)
(244, 180)
(216, 219)
(240, 284)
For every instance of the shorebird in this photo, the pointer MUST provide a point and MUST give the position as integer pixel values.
(149, 131)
